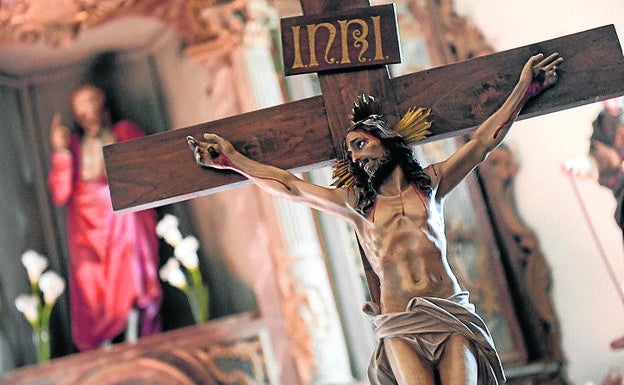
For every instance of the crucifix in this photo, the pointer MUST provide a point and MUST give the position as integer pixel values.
(308, 133)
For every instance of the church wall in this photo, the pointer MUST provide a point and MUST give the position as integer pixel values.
(236, 227)
(590, 312)
(185, 92)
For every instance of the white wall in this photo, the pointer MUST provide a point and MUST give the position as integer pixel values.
(590, 309)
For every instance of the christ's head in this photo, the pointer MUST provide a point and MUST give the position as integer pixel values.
(373, 151)
(88, 106)
(368, 147)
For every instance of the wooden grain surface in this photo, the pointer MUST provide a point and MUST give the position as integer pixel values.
(464, 94)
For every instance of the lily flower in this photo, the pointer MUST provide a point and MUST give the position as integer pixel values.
(167, 228)
(189, 279)
(171, 273)
(186, 252)
(35, 264)
(28, 304)
(52, 286)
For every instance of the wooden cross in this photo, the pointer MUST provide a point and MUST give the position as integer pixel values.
(160, 169)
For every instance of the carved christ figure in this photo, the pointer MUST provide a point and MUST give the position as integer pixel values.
(427, 330)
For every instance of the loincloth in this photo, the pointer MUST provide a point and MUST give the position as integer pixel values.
(425, 325)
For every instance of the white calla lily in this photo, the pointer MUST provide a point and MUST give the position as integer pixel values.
(186, 252)
(177, 279)
(167, 229)
(165, 270)
(52, 286)
(171, 273)
(187, 278)
(48, 284)
(28, 304)
(35, 264)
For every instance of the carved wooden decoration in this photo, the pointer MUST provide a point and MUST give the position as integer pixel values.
(526, 265)
(234, 350)
(197, 21)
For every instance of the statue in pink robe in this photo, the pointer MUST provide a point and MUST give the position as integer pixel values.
(113, 258)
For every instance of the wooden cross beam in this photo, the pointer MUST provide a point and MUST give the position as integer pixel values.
(160, 169)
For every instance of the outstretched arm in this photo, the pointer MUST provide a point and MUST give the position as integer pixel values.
(215, 152)
(537, 74)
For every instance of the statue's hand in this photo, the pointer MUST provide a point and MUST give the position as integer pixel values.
(59, 134)
(213, 151)
(541, 72)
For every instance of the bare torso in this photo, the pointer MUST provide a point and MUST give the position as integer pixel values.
(404, 241)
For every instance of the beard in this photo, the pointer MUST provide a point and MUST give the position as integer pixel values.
(379, 169)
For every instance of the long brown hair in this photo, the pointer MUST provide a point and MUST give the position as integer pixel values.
(366, 187)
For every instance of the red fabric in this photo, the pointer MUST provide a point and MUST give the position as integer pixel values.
(113, 258)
